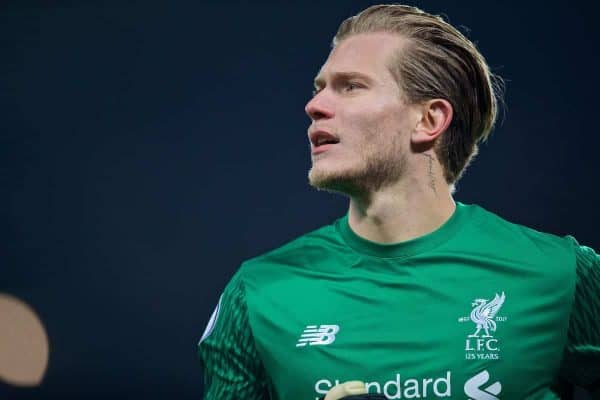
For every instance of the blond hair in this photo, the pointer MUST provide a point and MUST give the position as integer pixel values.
(437, 62)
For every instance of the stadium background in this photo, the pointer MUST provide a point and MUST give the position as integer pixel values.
(149, 147)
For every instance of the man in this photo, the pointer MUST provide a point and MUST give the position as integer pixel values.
(412, 293)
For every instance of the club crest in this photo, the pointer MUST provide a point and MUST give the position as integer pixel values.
(482, 344)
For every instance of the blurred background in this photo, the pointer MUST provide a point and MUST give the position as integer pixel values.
(147, 148)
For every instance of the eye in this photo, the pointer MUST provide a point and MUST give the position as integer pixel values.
(347, 87)
(351, 86)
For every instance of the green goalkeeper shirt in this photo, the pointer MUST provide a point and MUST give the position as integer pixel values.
(479, 309)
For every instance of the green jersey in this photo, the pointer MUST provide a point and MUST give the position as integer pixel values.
(479, 309)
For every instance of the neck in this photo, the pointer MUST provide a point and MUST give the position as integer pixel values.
(403, 211)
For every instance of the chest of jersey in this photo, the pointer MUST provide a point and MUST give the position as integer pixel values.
(433, 327)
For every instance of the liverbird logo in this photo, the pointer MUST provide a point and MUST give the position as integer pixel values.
(484, 313)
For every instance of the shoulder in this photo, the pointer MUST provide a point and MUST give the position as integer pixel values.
(588, 264)
(507, 234)
(285, 270)
(297, 249)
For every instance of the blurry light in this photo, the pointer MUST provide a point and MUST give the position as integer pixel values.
(24, 347)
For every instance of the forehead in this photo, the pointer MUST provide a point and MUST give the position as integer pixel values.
(365, 53)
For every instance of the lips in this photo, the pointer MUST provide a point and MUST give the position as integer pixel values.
(320, 138)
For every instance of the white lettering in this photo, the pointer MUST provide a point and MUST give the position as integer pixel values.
(487, 356)
(375, 384)
(480, 344)
(328, 333)
(397, 388)
(468, 345)
(318, 388)
(446, 381)
(488, 345)
(412, 391)
(397, 393)
(425, 383)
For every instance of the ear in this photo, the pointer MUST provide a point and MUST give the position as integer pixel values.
(435, 118)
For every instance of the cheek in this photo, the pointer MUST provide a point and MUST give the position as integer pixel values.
(374, 113)
(363, 126)
(374, 130)
(371, 120)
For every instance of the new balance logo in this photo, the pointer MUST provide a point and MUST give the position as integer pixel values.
(324, 334)
(474, 391)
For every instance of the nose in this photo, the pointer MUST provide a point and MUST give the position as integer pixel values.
(319, 107)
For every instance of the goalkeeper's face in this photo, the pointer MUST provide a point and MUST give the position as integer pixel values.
(360, 131)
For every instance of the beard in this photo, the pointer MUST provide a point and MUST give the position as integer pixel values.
(378, 165)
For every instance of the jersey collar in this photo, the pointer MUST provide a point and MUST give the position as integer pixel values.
(407, 248)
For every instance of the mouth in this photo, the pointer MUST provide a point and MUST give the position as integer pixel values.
(322, 148)
(322, 141)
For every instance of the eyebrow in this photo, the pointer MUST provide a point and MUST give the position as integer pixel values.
(319, 81)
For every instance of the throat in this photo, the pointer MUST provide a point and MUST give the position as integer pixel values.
(393, 222)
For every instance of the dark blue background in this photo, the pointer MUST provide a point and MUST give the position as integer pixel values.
(149, 147)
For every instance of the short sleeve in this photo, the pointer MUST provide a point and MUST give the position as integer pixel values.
(232, 366)
(581, 361)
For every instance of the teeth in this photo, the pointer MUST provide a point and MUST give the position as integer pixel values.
(322, 140)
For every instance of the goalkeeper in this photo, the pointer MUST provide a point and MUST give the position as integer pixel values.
(410, 292)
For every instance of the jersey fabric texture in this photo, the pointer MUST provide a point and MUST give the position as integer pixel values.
(481, 308)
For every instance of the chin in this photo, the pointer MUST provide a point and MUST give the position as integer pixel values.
(330, 180)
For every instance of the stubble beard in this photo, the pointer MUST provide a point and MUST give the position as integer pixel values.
(378, 165)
